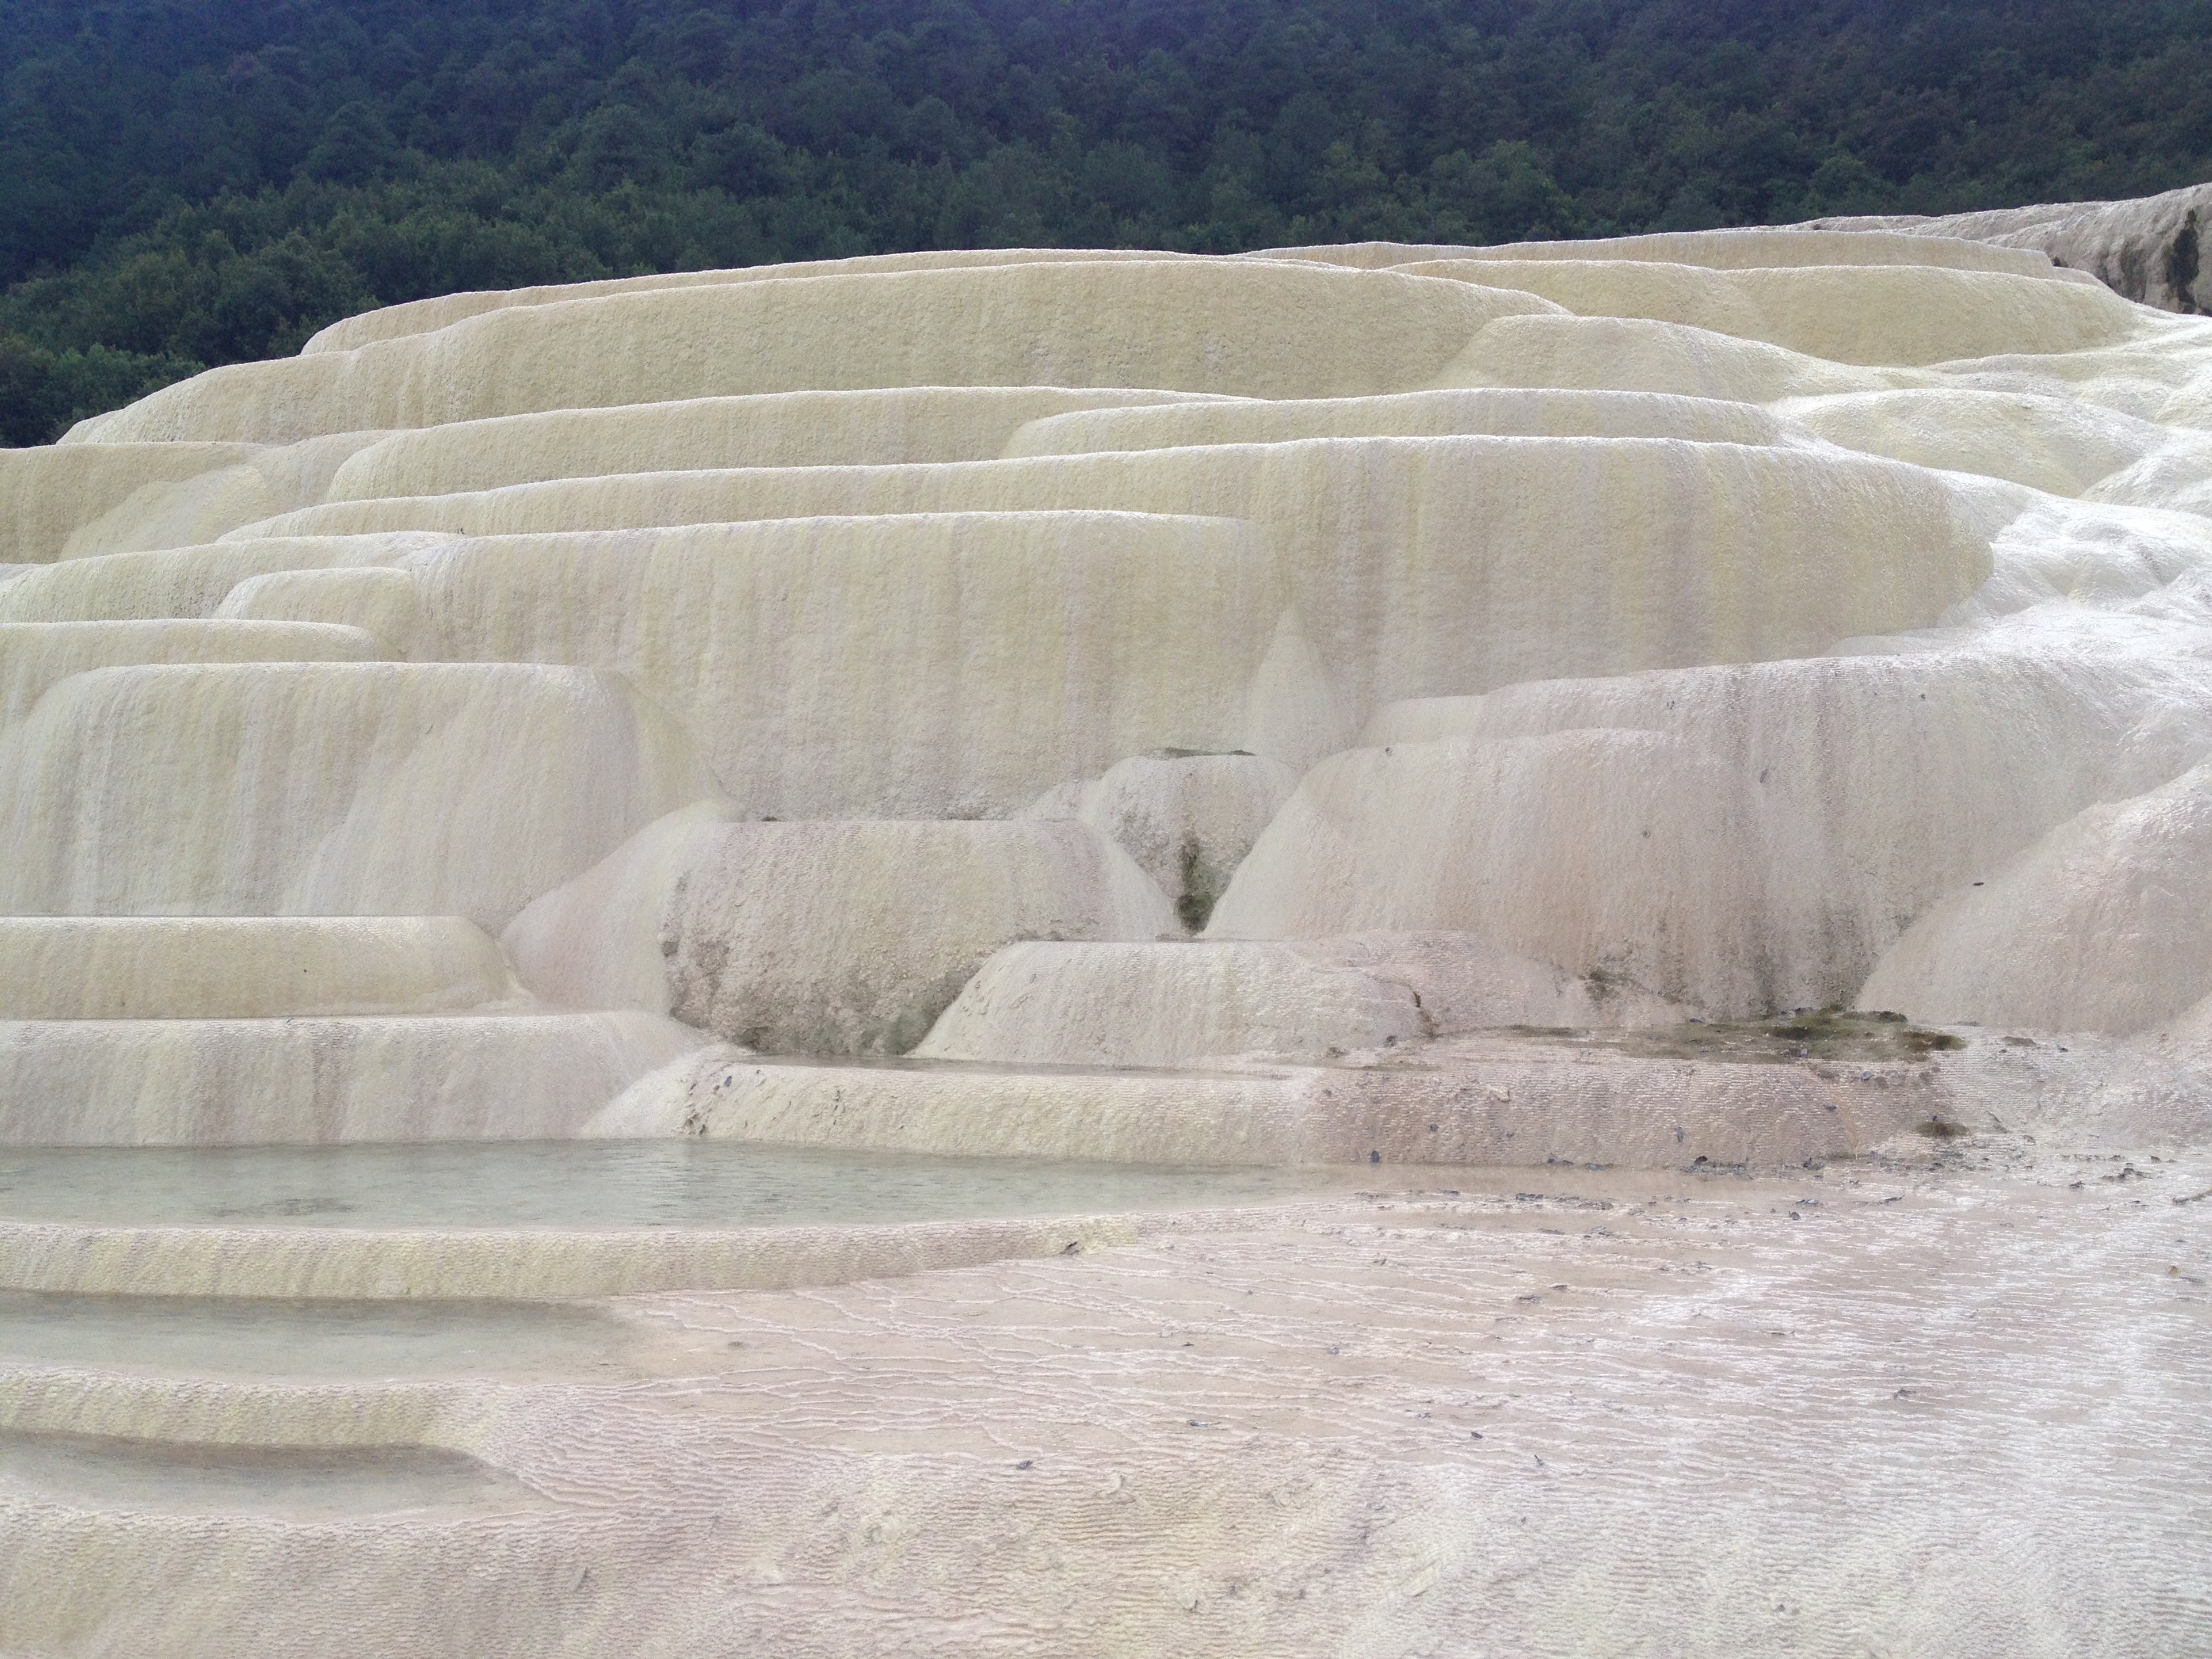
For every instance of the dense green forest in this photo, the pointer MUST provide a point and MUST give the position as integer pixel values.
(191, 182)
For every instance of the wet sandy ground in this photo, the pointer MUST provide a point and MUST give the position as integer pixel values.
(1956, 1406)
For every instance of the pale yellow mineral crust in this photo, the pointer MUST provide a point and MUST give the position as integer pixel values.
(1683, 624)
(1618, 712)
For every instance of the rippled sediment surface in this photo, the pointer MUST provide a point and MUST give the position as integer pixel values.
(1952, 1403)
(644, 1183)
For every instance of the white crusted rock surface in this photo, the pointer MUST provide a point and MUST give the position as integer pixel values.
(851, 938)
(1107, 952)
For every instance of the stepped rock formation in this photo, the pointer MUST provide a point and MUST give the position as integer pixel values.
(1686, 620)
(2149, 249)
(1383, 704)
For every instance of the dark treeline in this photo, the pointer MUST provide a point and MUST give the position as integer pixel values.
(191, 182)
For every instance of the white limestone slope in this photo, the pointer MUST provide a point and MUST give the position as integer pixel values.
(1377, 706)
(1751, 248)
(48, 493)
(871, 427)
(424, 1077)
(1178, 1003)
(1619, 853)
(850, 937)
(1542, 412)
(183, 582)
(1187, 819)
(36, 656)
(1865, 787)
(326, 788)
(1254, 330)
(2098, 926)
(423, 316)
(2147, 249)
(247, 966)
(1584, 636)
(1420, 566)
(1875, 315)
(993, 652)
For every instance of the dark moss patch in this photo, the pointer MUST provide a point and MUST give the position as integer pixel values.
(1202, 885)
(2181, 264)
(1805, 1034)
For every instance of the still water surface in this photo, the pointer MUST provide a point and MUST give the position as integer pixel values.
(602, 1183)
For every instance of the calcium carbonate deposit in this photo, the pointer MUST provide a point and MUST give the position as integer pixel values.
(1380, 951)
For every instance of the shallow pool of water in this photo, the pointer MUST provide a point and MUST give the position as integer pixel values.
(567, 1183)
(279, 1338)
(101, 1472)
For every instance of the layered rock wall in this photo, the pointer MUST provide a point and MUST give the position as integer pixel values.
(1044, 664)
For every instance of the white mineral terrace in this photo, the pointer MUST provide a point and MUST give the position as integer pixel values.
(1381, 950)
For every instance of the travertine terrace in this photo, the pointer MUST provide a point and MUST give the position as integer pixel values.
(1721, 722)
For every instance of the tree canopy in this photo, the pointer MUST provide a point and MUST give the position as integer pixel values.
(190, 182)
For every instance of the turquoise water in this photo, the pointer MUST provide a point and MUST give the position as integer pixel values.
(267, 1337)
(95, 1470)
(569, 1183)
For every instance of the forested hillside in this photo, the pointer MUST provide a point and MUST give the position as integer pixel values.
(190, 182)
